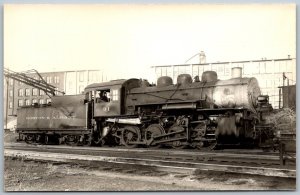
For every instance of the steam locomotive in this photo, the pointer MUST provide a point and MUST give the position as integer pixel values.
(133, 113)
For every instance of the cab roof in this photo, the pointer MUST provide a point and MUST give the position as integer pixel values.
(128, 83)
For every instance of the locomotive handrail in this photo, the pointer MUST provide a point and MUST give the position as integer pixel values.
(163, 97)
(174, 102)
(184, 101)
(219, 109)
(194, 87)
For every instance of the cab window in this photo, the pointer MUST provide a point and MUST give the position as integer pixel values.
(115, 95)
(102, 96)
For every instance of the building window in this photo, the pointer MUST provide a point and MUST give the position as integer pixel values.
(11, 81)
(56, 92)
(10, 105)
(220, 70)
(34, 101)
(41, 101)
(56, 79)
(262, 67)
(269, 67)
(27, 102)
(81, 89)
(81, 76)
(42, 92)
(115, 95)
(93, 76)
(20, 103)
(35, 91)
(21, 92)
(195, 71)
(255, 68)
(270, 83)
(227, 71)
(49, 79)
(10, 93)
(214, 68)
(48, 100)
(27, 92)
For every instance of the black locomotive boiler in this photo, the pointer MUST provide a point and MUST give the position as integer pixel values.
(134, 113)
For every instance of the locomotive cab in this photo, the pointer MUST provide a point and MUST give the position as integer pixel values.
(107, 101)
(108, 98)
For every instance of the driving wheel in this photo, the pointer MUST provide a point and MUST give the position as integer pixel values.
(152, 131)
(130, 134)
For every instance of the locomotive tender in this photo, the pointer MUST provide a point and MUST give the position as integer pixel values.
(134, 113)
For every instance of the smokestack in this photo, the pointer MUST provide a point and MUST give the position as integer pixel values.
(202, 57)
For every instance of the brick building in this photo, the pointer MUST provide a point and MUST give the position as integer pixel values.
(70, 82)
(269, 73)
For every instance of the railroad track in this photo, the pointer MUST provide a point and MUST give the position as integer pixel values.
(252, 157)
(189, 162)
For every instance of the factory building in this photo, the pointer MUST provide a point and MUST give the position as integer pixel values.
(270, 73)
(69, 82)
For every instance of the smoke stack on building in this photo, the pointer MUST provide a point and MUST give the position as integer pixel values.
(202, 57)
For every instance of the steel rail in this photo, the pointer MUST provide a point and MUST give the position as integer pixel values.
(213, 157)
(163, 165)
(233, 159)
(230, 153)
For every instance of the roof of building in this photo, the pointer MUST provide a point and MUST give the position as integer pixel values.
(233, 62)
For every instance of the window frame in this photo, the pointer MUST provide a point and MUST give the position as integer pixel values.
(11, 93)
(48, 100)
(49, 79)
(27, 102)
(10, 82)
(20, 102)
(20, 92)
(41, 93)
(41, 101)
(81, 76)
(34, 92)
(34, 101)
(27, 92)
(56, 79)
(114, 95)
(10, 104)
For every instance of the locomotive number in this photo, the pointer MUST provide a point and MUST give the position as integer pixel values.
(106, 109)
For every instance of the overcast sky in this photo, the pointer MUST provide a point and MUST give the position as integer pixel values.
(125, 40)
